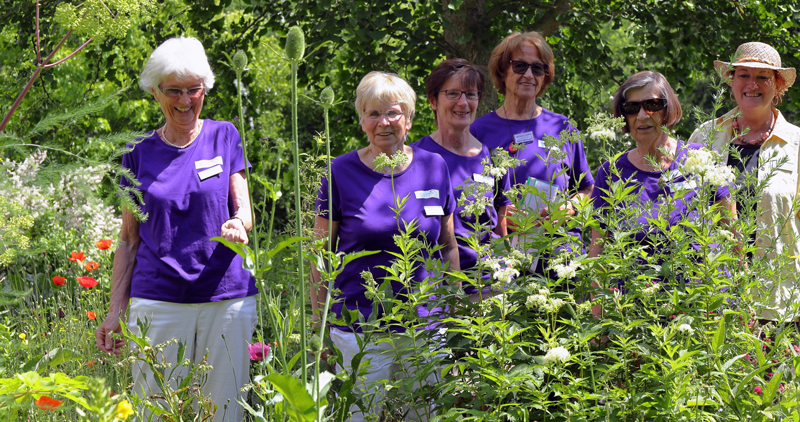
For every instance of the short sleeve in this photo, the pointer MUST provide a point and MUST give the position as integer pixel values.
(450, 200)
(236, 155)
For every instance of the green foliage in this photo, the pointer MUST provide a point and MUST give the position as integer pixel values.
(101, 19)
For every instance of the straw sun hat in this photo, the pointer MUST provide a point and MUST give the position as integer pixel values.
(758, 55)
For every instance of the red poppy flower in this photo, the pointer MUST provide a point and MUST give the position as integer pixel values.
(103, 244)
(90, 363)
(91, 315)
(77, 256)
(87, 282)
(59, 281)
(46, 403)
(91, 266)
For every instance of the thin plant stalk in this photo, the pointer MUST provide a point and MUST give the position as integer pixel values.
(274, 202)
(242, 134)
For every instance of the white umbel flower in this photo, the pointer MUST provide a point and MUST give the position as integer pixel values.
(686, 328)
(557, 355)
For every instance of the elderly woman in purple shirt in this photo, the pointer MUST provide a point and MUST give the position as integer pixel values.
(363, 220)
(648, 104)
(192, 182)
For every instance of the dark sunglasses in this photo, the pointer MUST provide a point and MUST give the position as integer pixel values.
(651, 106)
(538, 69)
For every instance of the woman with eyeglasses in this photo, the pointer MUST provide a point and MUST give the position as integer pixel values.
(454, 89)
(192, 185)
(363, 195)
(648, 104)
(522, 68)
(767, 149)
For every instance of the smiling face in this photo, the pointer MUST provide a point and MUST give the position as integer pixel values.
(645, 127)
(386, 134)
(524, 87)
(181, 113)
(456, 114)
(753, 88)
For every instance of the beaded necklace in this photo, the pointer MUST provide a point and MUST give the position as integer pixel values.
(163, 136)
(757, 141)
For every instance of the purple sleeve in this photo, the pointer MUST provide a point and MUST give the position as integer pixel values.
(321, 206)
(504, 185)
(236, 155)
(450, 203)
(580, 167)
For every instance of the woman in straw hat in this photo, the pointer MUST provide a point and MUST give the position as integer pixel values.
(757, 140)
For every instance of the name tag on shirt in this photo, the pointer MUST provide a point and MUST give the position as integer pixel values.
(489, 180)
(204, 164)
(685, 185)
(432, 210)
(427, 194)
(541, 143)
(523, 138)
(213, 171)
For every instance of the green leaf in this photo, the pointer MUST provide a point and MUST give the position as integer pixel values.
(299, 405)
(772, 387)
(242, 250)
(719, 336)
(455, 4)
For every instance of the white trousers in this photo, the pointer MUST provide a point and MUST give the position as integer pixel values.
(201, 326)
(386, 361)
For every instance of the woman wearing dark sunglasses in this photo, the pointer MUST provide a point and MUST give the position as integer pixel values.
(522, 67)
(648, 103)
(454, 89)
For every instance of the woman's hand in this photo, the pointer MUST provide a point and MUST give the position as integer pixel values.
(102, 335)
(233, 230)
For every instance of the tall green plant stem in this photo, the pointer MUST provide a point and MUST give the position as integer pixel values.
(243, 135)
(299, 221)
(274, 203)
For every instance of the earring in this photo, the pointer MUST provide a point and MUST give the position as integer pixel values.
(730, 95)
(776, 100)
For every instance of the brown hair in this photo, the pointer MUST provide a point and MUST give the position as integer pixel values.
(501, 58)
(471, 76)
(645, 78)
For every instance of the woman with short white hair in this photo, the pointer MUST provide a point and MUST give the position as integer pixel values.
(193, 187)
(363, 220)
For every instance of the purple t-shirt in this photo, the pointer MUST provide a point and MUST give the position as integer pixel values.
(361, 203)
(176, 262)
(648, 189)
(463, 169)
(496, 132)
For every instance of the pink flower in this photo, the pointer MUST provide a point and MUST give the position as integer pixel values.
(758, 390)
(258, 351)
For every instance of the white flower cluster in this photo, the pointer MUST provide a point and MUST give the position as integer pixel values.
(505, 275)
(553, 305)
(686, 328)
(652, 289)
(535, 301)
(557, 355)
(603, 134)
(702, 163)
(728, 235)
(562, 269)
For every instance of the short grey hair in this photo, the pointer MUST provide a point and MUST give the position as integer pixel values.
(385, 88)
(182, 57)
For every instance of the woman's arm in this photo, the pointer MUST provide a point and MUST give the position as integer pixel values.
(447, 238)
(236, 228)
(501, 229)
(121, 274)
(319, 290)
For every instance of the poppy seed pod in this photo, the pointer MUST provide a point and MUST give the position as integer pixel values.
(295, 44)
(315, 344)
(326, 97)
(239, 61)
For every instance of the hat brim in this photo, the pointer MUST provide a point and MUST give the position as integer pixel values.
(788, 73)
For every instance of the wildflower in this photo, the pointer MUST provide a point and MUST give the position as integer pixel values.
(24, 338)
(566, 271)
(557, 355)
(103, 244)
(603, 134)
(46, 403)
(505, 275)
(758, 390)
(698, 161)
(258, 351)
(727, 235)
(91, 266)
(76, 256)
(535, 301)
(59, 281)
(61, 313)
(651, 290)
(90, 363)
(91, 315)
(87, 282)
(554, 305)
(124, 410)
(686, 328)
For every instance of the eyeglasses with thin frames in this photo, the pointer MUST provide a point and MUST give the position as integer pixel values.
(194, 92)
(391, 115)
(454, 94)
(650, 106)
(520, 67)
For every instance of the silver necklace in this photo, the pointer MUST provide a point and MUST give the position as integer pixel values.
(163, 136)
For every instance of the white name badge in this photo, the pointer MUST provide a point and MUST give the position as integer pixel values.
(431, 210)
(685, 185)
(204, 164)
(489, 180)
(426, 194)
(541, 143)
(213, 171)
(523, 138)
